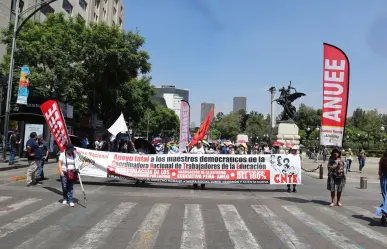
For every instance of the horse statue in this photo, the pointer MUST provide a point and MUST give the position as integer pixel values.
(285, 100)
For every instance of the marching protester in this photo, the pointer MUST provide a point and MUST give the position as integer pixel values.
(43, 146)
(293, 152)
(382, 210)
(198, 149)
(336, 176)
(68, 174)
(34, 156)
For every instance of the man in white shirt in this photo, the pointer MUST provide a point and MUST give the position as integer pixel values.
(198, 149)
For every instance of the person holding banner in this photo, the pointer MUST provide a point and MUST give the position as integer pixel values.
(68, 174)
(336, 176)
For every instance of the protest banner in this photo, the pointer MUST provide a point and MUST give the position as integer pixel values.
(189, 168)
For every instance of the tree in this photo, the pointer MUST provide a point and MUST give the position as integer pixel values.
(307, 117)
(91, 66)
(228, 126)
(159, 120)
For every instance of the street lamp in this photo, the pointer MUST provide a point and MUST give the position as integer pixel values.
(16, 31)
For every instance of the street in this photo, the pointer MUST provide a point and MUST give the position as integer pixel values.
(172, 216)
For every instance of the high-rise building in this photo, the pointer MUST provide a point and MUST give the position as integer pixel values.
(239, 103)
(173, 96)
(205, 108)
(107, 11)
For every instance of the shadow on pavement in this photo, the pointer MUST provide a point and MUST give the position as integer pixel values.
(58, 192)
(300, 200)
(117, 183)
(372, 221)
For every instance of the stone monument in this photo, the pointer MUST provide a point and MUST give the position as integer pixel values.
(286, 131)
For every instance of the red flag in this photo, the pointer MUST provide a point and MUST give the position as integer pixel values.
(335, 96)
(199, 135)
(55, 121)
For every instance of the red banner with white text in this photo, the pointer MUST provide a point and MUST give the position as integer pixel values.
(335, 96)
(184, 125)
(191, 168)
(55, 121)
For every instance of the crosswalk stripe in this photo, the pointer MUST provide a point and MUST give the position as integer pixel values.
(41, 240)
(28, 219)
(146, 236)
(17, 206)
(361, 211)
(4, 198)
(193, 235)
(95, 237)
(327, 232)
(363, 230)
(239, 233)
(284, 232)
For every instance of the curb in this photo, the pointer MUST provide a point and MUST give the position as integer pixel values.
(20, 166)
(349, 179)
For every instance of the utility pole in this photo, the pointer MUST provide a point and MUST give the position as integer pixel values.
(272, 91)
(16, 31)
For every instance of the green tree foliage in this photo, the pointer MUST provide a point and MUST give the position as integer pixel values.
(91, 65)
(159, 120)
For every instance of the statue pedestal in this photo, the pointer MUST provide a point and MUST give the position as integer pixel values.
(286, 134)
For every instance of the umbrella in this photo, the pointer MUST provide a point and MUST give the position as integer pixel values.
(276, 144)
(139, 142)
(289, 146)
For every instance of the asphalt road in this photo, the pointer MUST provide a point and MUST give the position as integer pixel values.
(171, 216)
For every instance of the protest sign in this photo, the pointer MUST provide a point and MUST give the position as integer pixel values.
(188, 168)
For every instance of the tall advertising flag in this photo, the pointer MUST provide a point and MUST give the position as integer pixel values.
(55, 121)
(184, 125)
(335, 96)
(22, 95)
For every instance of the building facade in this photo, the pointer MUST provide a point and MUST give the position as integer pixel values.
(205, 108)
(239, 103)
(107, 11)
(172, 96)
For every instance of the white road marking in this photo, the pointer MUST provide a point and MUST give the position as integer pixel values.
(283, 231)
(363, 230)
(42, 238)
(361, 211)
(328, 233)
(28, 219)
(239, 233)
(193, 235)
(145, 237)
(4, 198)
(95, 237)
(17, 206)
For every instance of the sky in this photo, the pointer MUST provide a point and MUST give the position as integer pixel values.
(219, 49)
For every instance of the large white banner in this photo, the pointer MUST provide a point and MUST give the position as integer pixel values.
(188, 168)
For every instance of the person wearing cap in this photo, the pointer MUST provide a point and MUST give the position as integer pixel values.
(336, 176)
(34, 155)
(66, 162)
(293, 152)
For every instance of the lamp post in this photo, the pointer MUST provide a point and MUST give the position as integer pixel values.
(16, 31)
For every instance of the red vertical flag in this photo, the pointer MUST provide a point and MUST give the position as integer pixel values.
(335, 96)
(199, 135)
(55, 121)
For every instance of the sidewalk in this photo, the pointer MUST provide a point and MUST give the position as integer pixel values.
(370, 170)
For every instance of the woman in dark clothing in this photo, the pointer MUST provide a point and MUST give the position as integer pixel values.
(336, 176)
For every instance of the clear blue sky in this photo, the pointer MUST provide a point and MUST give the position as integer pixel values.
(219, 49)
